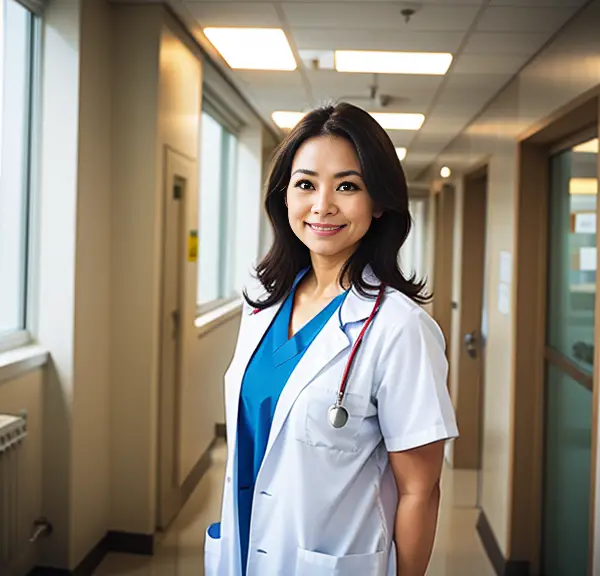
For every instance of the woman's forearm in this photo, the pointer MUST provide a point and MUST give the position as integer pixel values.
(416, 522)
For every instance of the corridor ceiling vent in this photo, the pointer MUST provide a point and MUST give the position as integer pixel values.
(401, 153)
(445, 172)
(364, 61)
(253, 48)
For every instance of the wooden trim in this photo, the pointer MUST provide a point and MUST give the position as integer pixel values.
(529, 315)
(569, 119)
(501, 566)
(569, 367)
(595, 401)
(528, 346)
(444, 260)
(467, 378)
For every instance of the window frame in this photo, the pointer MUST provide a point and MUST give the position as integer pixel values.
(22, 336)
(229, 129)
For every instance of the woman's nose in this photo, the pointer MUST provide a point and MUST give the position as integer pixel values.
(323, 203)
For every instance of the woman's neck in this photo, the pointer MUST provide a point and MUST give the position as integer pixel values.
(324, 278)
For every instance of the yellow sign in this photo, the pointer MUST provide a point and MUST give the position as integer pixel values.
(193, 246)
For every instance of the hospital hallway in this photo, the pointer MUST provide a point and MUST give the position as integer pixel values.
(457, 552)
(170, 168)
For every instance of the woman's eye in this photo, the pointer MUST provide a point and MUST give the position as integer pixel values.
(348, 187)
(304, 185)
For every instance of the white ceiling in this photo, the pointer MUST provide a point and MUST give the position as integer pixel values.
(490, 39)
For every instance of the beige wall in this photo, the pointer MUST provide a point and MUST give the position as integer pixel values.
(90, 479)
(25, 392)
(537, 92)
(135, 260)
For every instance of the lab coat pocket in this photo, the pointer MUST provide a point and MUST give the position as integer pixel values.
(310, 563)
(317, 431)
(212, 550)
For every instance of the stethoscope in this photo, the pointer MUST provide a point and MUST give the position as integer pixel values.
(338, 414)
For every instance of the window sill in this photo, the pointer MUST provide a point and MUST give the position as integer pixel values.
(211, 320)
(13, 363)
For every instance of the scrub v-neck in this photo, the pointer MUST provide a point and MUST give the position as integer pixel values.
(266, 376)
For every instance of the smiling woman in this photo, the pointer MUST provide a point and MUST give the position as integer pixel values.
(338, 167)
(337, 403)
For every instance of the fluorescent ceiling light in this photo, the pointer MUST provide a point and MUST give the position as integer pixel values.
(586, 186)
(590, 146)
(253, 48)
(392, 62)
(391, 121)
(287, 119)
(401, 153)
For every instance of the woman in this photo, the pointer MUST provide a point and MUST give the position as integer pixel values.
(320, 483)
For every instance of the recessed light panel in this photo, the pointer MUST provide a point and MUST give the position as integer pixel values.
(391, 121)
(431, 63)
(287, 119)
(253, 48)
(401, 153)
(591, 147)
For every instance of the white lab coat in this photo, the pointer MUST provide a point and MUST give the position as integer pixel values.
(325, 499)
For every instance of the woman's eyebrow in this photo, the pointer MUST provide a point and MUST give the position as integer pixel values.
(342, 174)
(346, 173)
(305, 171)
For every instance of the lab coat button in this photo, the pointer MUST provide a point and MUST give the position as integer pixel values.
(228, 479)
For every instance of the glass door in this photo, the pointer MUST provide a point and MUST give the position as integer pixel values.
(569, 359)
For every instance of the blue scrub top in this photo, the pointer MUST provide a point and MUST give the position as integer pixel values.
(267, 374)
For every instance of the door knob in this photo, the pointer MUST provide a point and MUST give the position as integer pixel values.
(471, 344)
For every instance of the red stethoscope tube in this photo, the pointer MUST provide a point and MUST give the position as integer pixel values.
(338, 415)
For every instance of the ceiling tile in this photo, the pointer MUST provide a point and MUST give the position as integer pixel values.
(489, 63)
(505, 43)
(372, 39)
(257, 14)
(508, 19)
(538, 3)
(381, 15)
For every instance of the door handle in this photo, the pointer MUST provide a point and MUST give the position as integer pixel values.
(471, 344)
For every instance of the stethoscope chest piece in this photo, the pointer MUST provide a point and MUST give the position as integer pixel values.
(337, 416)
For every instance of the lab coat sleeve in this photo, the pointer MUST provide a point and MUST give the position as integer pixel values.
(413, 402)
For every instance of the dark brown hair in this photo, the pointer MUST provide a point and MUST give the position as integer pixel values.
(384, 178)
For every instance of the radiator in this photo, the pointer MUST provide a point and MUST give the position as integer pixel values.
(12, 432)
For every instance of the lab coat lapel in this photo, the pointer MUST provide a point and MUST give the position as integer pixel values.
(255, 327)
(330, 342)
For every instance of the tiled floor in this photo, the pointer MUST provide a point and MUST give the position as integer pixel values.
(457, 551)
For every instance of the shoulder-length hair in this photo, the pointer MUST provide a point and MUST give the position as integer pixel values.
(384, 179)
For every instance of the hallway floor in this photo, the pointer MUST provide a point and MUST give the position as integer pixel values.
(457, 552)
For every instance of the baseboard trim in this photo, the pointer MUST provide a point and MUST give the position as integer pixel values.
(113, 541)
(199, 470)
(502, 566)
(130, 543)
(220, 430)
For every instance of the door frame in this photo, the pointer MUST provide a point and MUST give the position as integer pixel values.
(468, 392)
(443, 258)
(169, 495)
(526, 457)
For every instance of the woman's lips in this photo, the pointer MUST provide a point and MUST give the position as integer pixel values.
(325, 229)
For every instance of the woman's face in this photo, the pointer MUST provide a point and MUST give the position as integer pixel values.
(329, 207)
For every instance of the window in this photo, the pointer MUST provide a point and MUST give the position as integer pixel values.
(16, 73)
(216, 230)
